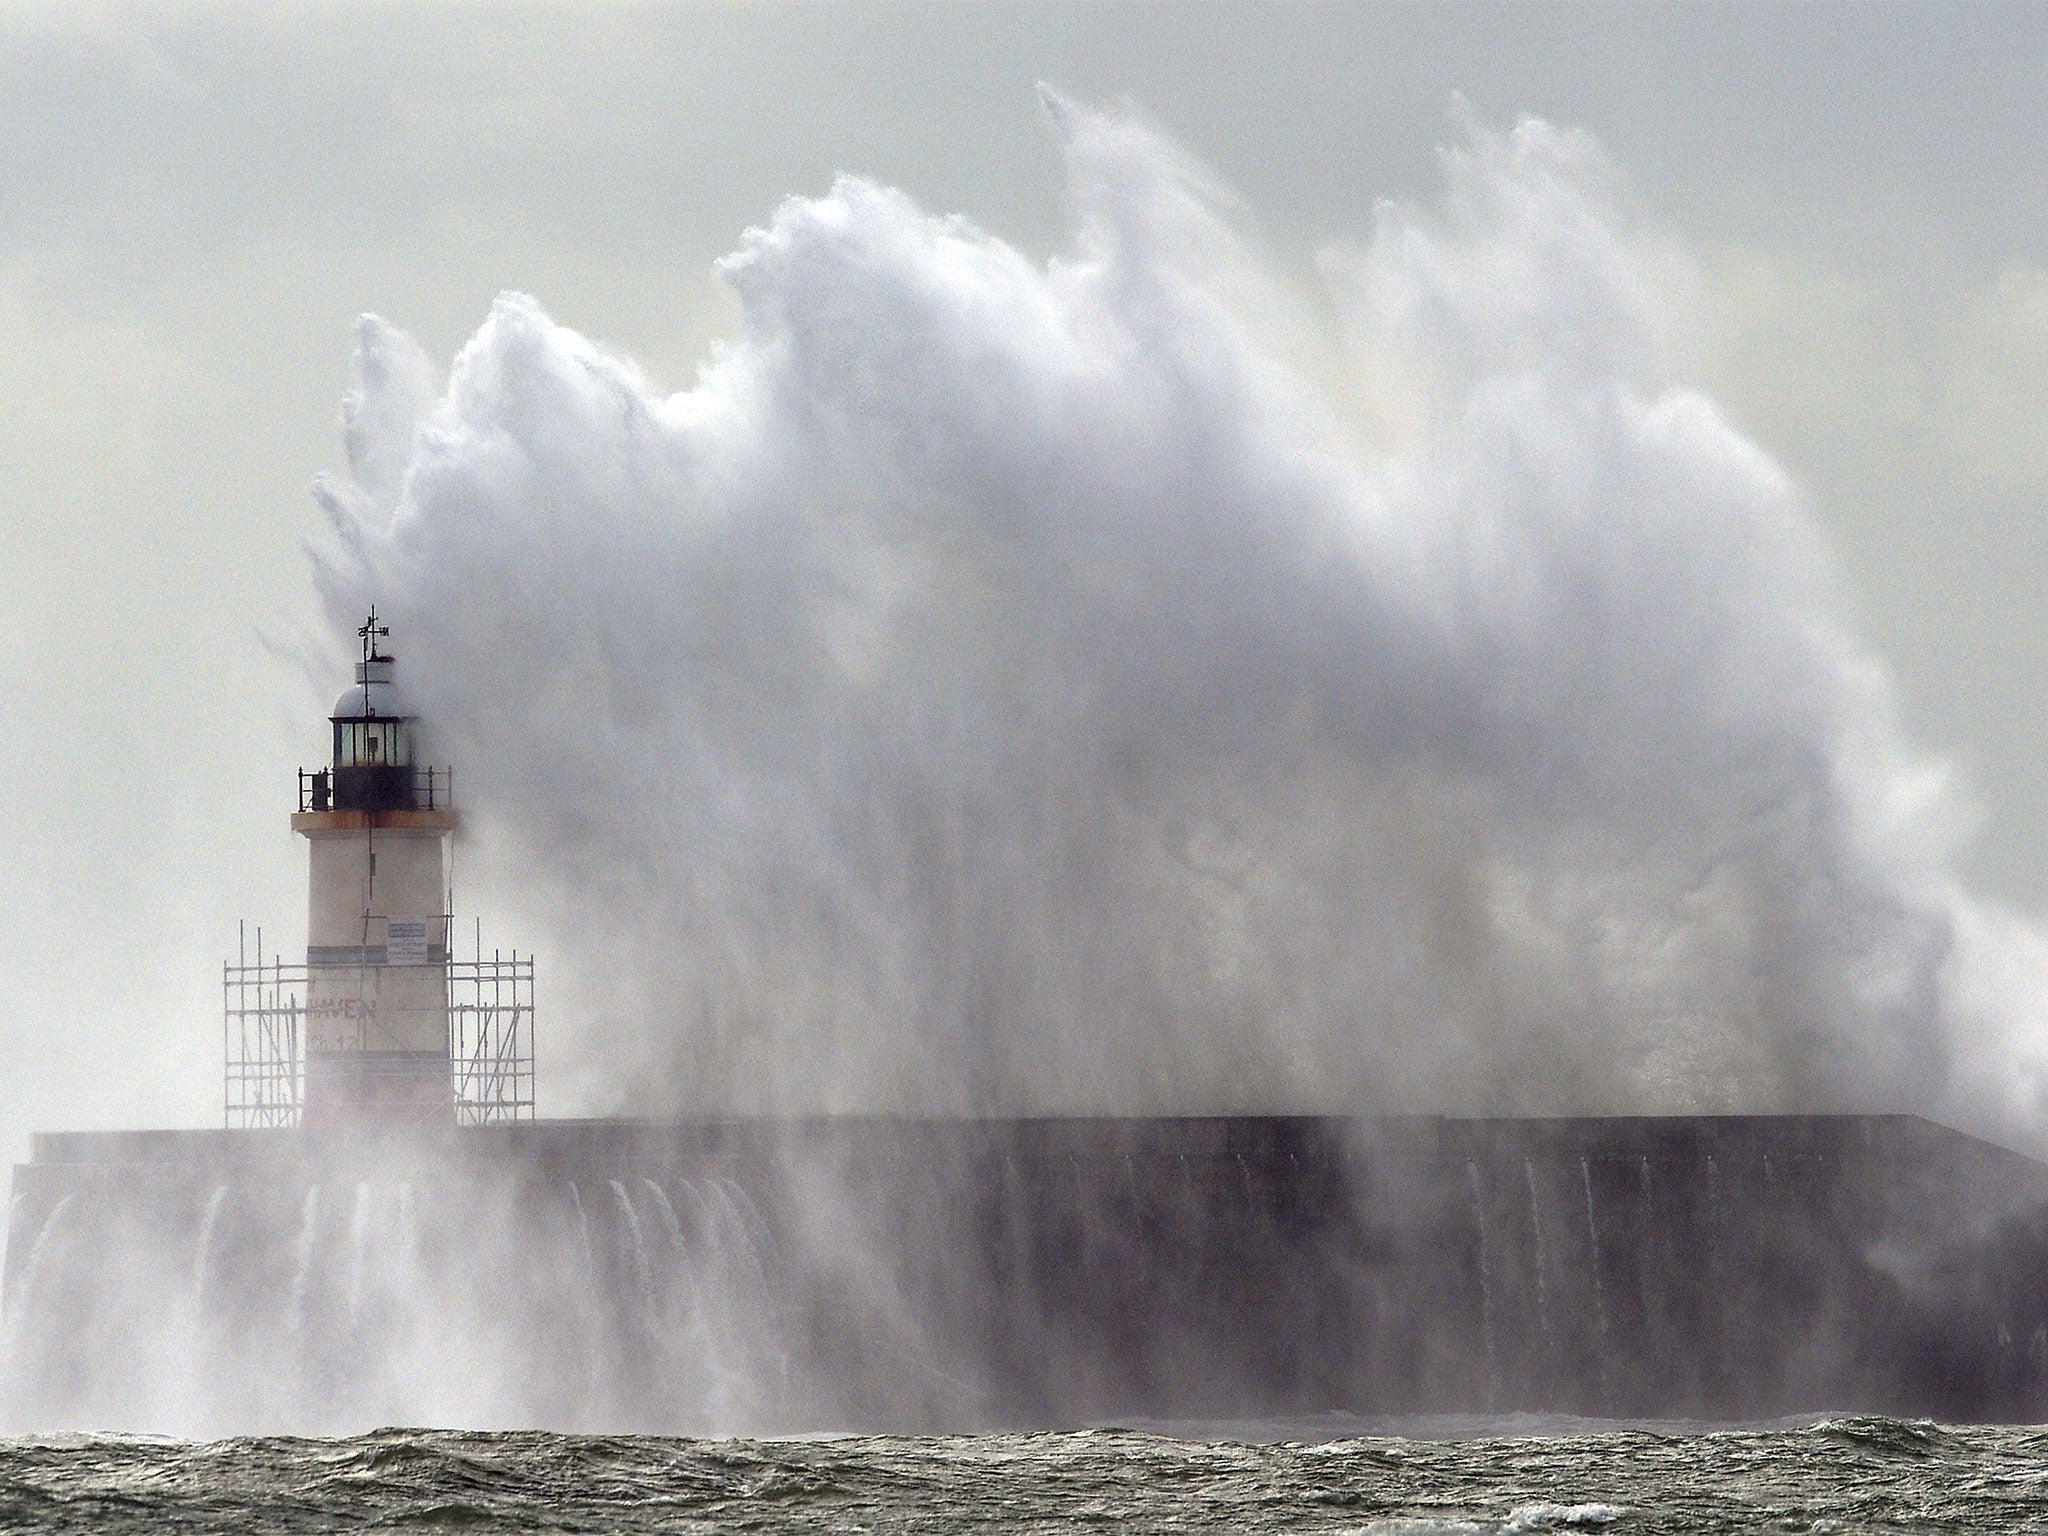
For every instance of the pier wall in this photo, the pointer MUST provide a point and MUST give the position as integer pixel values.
(932, 1274)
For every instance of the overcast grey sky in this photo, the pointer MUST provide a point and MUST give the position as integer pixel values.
(195, 203)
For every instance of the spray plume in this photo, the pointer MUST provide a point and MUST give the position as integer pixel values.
(1006, 687)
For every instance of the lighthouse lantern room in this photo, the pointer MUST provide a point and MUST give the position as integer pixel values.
(381, 1025)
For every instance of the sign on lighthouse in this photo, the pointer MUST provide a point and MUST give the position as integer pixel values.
(381, 1025)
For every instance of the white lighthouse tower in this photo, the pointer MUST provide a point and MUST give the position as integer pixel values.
(382, 1025)
(377, 998)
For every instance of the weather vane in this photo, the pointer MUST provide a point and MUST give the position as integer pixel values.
(369, 632)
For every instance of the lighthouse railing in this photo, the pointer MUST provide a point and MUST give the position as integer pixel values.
(431, 789)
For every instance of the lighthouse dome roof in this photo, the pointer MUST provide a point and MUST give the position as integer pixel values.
(373, 690)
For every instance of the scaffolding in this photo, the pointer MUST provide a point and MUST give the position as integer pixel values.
(490, 1036)
(264, 1005)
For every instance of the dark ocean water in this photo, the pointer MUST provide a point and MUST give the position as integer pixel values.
(1841, 1475)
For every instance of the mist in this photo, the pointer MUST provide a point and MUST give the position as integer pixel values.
(1134, 683)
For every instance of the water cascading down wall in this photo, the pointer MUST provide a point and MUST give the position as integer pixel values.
(958, 1274)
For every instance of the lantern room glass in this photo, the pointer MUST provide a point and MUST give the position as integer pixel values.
(372, 744)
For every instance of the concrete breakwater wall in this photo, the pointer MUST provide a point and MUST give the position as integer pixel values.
(893, 1273)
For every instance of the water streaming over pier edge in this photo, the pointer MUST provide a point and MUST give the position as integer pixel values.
(1013, 1274)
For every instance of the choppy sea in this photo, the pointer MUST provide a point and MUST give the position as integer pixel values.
(1832, 1475)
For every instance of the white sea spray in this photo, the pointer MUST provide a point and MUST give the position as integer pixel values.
(1010, 685)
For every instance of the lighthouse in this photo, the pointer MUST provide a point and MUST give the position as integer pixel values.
(378, 825)
(382, 1025)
